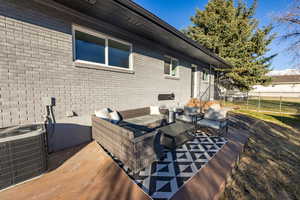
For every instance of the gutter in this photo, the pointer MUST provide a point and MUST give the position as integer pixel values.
(159, 22)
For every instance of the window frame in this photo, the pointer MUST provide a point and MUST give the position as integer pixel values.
(177, 67)
(106, 51)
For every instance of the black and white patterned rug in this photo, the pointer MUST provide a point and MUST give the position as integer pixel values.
(163, 178)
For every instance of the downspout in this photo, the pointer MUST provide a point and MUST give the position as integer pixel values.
(216, 84)
(209, 83)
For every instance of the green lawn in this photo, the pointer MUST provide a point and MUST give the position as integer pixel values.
(287, 105)
(270, 166)
(286, 120)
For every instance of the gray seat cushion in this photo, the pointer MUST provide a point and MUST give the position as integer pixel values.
(146, 120)
(212, 114)
(184, 118)
(210, 123)
(188, 110)
(143, 124)
(138, 130)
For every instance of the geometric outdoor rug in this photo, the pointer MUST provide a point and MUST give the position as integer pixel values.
(162, 179)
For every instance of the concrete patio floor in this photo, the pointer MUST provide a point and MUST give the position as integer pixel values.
(87, 172)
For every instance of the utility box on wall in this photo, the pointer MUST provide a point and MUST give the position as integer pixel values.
(164, 97)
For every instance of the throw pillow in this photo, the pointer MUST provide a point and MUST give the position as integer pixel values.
(103, 113)
(215, 115)
(215, 106)
(154, 110)
(115, 117)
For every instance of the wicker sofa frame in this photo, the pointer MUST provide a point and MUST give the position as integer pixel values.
(135, 153)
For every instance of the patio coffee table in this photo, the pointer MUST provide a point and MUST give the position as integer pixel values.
(196, 117)
(176, 134)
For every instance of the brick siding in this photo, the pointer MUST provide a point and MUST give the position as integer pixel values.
(36, 61)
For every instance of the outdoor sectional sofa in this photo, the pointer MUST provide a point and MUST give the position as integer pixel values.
(134, 140)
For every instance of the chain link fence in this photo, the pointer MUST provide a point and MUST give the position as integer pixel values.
(262, 102)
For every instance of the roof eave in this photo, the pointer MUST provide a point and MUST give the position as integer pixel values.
(154, 19)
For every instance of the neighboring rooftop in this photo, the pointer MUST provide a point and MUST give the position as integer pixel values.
(286, 79)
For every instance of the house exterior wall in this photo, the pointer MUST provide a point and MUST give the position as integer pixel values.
(205, 89)
(36, 61)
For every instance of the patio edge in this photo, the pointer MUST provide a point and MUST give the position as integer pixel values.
(209, 182)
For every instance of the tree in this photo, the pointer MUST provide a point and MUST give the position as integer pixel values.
(290, 21)
(232, 32)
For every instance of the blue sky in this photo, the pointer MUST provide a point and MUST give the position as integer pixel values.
(178, 13)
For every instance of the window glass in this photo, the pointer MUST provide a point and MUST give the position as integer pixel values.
(174, 67)
(118, 54)
(167, 65)
(89, 47)
(205, 76)
(170, 66)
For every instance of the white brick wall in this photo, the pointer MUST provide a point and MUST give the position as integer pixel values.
(36, 61)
